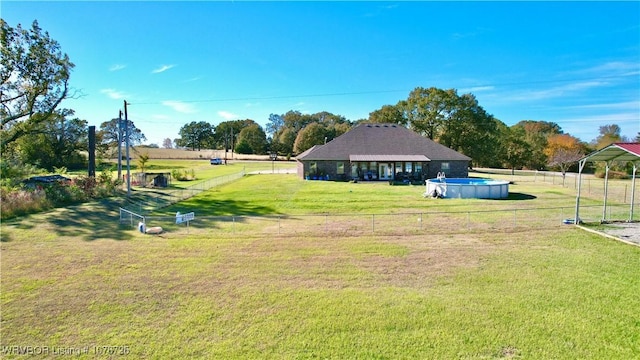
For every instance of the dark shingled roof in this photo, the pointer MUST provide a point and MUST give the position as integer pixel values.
(381, 139)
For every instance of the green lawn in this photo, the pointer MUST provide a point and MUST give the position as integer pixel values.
(287, 194)
(73, 278)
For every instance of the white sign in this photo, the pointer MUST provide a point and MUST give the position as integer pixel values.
(182, 218)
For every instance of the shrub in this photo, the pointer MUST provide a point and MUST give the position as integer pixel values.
(16, 201)
(20, 200)
(612, 174)
(183, 175)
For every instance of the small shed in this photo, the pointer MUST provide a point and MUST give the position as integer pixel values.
(624, 152)
(155, 179)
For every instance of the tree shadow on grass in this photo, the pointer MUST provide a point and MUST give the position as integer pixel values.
(208, 207)
(209, 213)
(92, 221)
(519, 196)
(88, 221)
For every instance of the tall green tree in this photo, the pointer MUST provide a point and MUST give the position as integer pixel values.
(252, 140)
(391, 114)
(427, 110)
(312, 134)
(34, 74)
(227, 132)
(286, 140)
(196, 135)
(57, 143)
(517, 151)
(468, 128)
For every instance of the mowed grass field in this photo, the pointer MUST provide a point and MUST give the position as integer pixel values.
(74, 280)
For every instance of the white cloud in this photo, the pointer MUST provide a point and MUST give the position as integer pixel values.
(558, 91)
(162, 68)
(625, 105)
(477, 89)
(610, 118)
(180, 106)
(227, 115)
(615, 66)
(114, 94)
(117, 67)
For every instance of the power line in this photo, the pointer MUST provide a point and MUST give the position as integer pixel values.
(350, 93)
(277, 97)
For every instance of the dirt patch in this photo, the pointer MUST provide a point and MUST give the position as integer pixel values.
(428, 259)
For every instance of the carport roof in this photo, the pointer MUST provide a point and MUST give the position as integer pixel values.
(616, 152)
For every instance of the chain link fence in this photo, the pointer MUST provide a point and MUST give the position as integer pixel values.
(619, 190)
(345, 225)
(145, 201)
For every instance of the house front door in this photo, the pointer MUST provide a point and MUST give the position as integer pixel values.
(384, 172)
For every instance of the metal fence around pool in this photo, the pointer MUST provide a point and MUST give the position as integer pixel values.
(619, 190)
(344, 225)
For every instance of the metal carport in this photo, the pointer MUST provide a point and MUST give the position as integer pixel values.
(624, 152)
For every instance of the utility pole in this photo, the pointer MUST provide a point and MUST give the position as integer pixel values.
(126, 130)
(119, 139)
(232, 143)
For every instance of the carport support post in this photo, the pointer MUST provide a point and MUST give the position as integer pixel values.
(633, 190)
(606, 192)
(581, 164)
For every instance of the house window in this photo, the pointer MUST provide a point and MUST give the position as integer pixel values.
(354, 170)
(444, 167)
(340, 168)
(407, 167)
(398, 167)
(313, 168)
(418, 168)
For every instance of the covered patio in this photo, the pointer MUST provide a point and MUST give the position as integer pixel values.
(388, 167)
(620, 152)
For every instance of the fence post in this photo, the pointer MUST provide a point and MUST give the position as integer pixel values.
(373, 222)
(515, 218)
(278, 225)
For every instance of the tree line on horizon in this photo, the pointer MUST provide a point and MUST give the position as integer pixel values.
(456, 121)
(37, 132)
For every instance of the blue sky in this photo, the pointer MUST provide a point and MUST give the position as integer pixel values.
(573, 63)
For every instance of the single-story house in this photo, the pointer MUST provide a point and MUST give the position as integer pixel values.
(381, 152)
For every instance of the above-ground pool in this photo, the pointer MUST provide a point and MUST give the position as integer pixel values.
(467, 188)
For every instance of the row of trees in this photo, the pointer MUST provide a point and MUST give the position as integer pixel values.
(456, 121)
(35, 130)
(290, 133)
